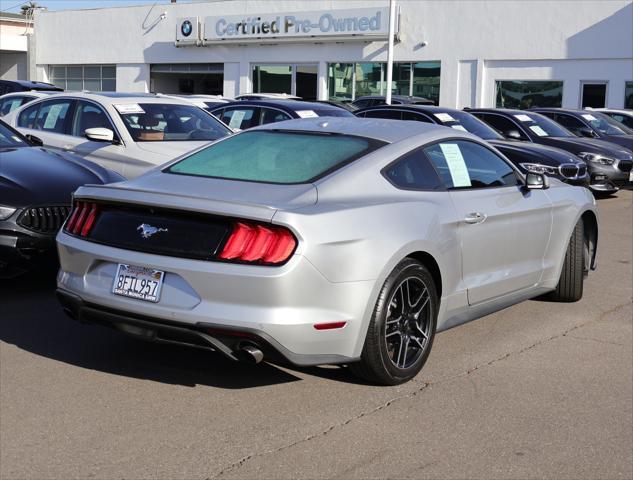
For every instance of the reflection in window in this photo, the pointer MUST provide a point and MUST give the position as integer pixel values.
(528, 94)
(272, 79)
(96, 78)
(349, 81)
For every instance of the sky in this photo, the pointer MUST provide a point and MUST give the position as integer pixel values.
(13, 6)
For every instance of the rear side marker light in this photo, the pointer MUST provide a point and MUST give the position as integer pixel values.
(329, 326)
(82, 219)
(259, 244)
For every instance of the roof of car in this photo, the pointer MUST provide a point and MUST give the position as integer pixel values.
(412, 107)
(291, 105)
(391, 131)
(623, 111)
(502, 111)
(33, 84)
(32, 93)
(124, 97)
(557, 109)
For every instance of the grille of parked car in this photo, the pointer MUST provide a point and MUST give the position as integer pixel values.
(44, 219)
(571, 170)
(625, 165)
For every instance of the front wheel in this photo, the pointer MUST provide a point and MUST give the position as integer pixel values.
(570, 284)
(402, 326)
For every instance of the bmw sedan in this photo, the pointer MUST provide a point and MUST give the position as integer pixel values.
(126, 133)
(531, 157)
(324, 241)
(610, 166)
(36, 188)
(591, 124)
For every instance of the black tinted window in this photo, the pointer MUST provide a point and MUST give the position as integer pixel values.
(464, 164)
(11, 103)
(567, 121)
(416, 116)
(270, 115)
(26, 119)
(240, 118)
(413, 172)
(502, 124)
(390, 114)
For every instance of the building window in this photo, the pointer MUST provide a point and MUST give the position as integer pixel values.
(272, 79)
(527, 94)
(593, 95)
(96, 78)
(628, 95)
(348, 81)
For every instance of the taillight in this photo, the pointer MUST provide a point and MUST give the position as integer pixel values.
(259, 244)
(82, 218)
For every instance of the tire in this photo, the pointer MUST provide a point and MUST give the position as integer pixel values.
(397, 323)
(570, 284)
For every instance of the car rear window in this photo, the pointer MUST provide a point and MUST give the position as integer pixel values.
(275, 156)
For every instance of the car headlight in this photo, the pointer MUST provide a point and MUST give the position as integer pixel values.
(596, 158)
(538, 168)
(6, 212)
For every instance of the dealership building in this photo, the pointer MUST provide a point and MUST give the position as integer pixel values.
(458, 53)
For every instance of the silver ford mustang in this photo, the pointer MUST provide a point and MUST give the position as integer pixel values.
(322, 241)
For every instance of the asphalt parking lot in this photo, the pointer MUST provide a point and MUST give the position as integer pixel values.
(539, 390)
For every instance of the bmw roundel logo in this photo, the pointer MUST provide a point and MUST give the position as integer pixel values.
(186, 28)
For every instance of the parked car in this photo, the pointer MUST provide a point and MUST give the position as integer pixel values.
(590, 124)
(35, 197)
(267, 96)
(347, 241)
(609, 165)
(9, 86)
(625, 117)
(206, 102)
(551, 161)
(125, 132)
(11, 101)
(245, 114)
(373, 100)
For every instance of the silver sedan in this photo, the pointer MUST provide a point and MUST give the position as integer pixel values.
(323, 241)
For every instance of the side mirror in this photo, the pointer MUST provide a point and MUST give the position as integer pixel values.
(99, 134)
(512, 135)
(35, 141)
(587, 132)
(536, 181)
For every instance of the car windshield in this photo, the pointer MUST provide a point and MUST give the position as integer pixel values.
(10, 139)
(606, 125)
(542, 126)
(469, 123)
(157, 122)
(275, 156)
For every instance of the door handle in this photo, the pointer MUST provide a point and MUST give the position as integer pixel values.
(67, 148)
(475, 217)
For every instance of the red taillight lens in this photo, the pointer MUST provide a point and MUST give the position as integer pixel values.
(259, 244)
(82, 218)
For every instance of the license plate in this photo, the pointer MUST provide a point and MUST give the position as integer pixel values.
(141, 283)
(631, 177)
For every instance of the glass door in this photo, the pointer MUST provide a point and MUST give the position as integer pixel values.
(593, 94)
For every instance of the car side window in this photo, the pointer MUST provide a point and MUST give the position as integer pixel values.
(415, 116)
(465, 164)
(502, 124)
(270, 115)
(380, 113)
(413, 171)
(11, 103)
(240, 117)
(362, 103)
(53, 115)
(88, 115)
(569, 122)
(26, 119)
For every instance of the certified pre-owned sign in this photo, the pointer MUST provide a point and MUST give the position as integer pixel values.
(360, 22)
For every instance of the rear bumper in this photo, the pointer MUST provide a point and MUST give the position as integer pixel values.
(278, 306)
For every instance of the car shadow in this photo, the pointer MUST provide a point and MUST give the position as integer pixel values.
(32, 320)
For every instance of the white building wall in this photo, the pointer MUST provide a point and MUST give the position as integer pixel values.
(476, 41)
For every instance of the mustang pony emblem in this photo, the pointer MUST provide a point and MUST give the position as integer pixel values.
(147, 230)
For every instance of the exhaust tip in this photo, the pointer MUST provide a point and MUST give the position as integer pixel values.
(251, 354)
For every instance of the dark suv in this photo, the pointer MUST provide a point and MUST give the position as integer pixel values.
(609, 165)
(10, 86)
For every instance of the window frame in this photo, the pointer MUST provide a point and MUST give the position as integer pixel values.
(117, 135)
(67, 121)
(520, 177)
